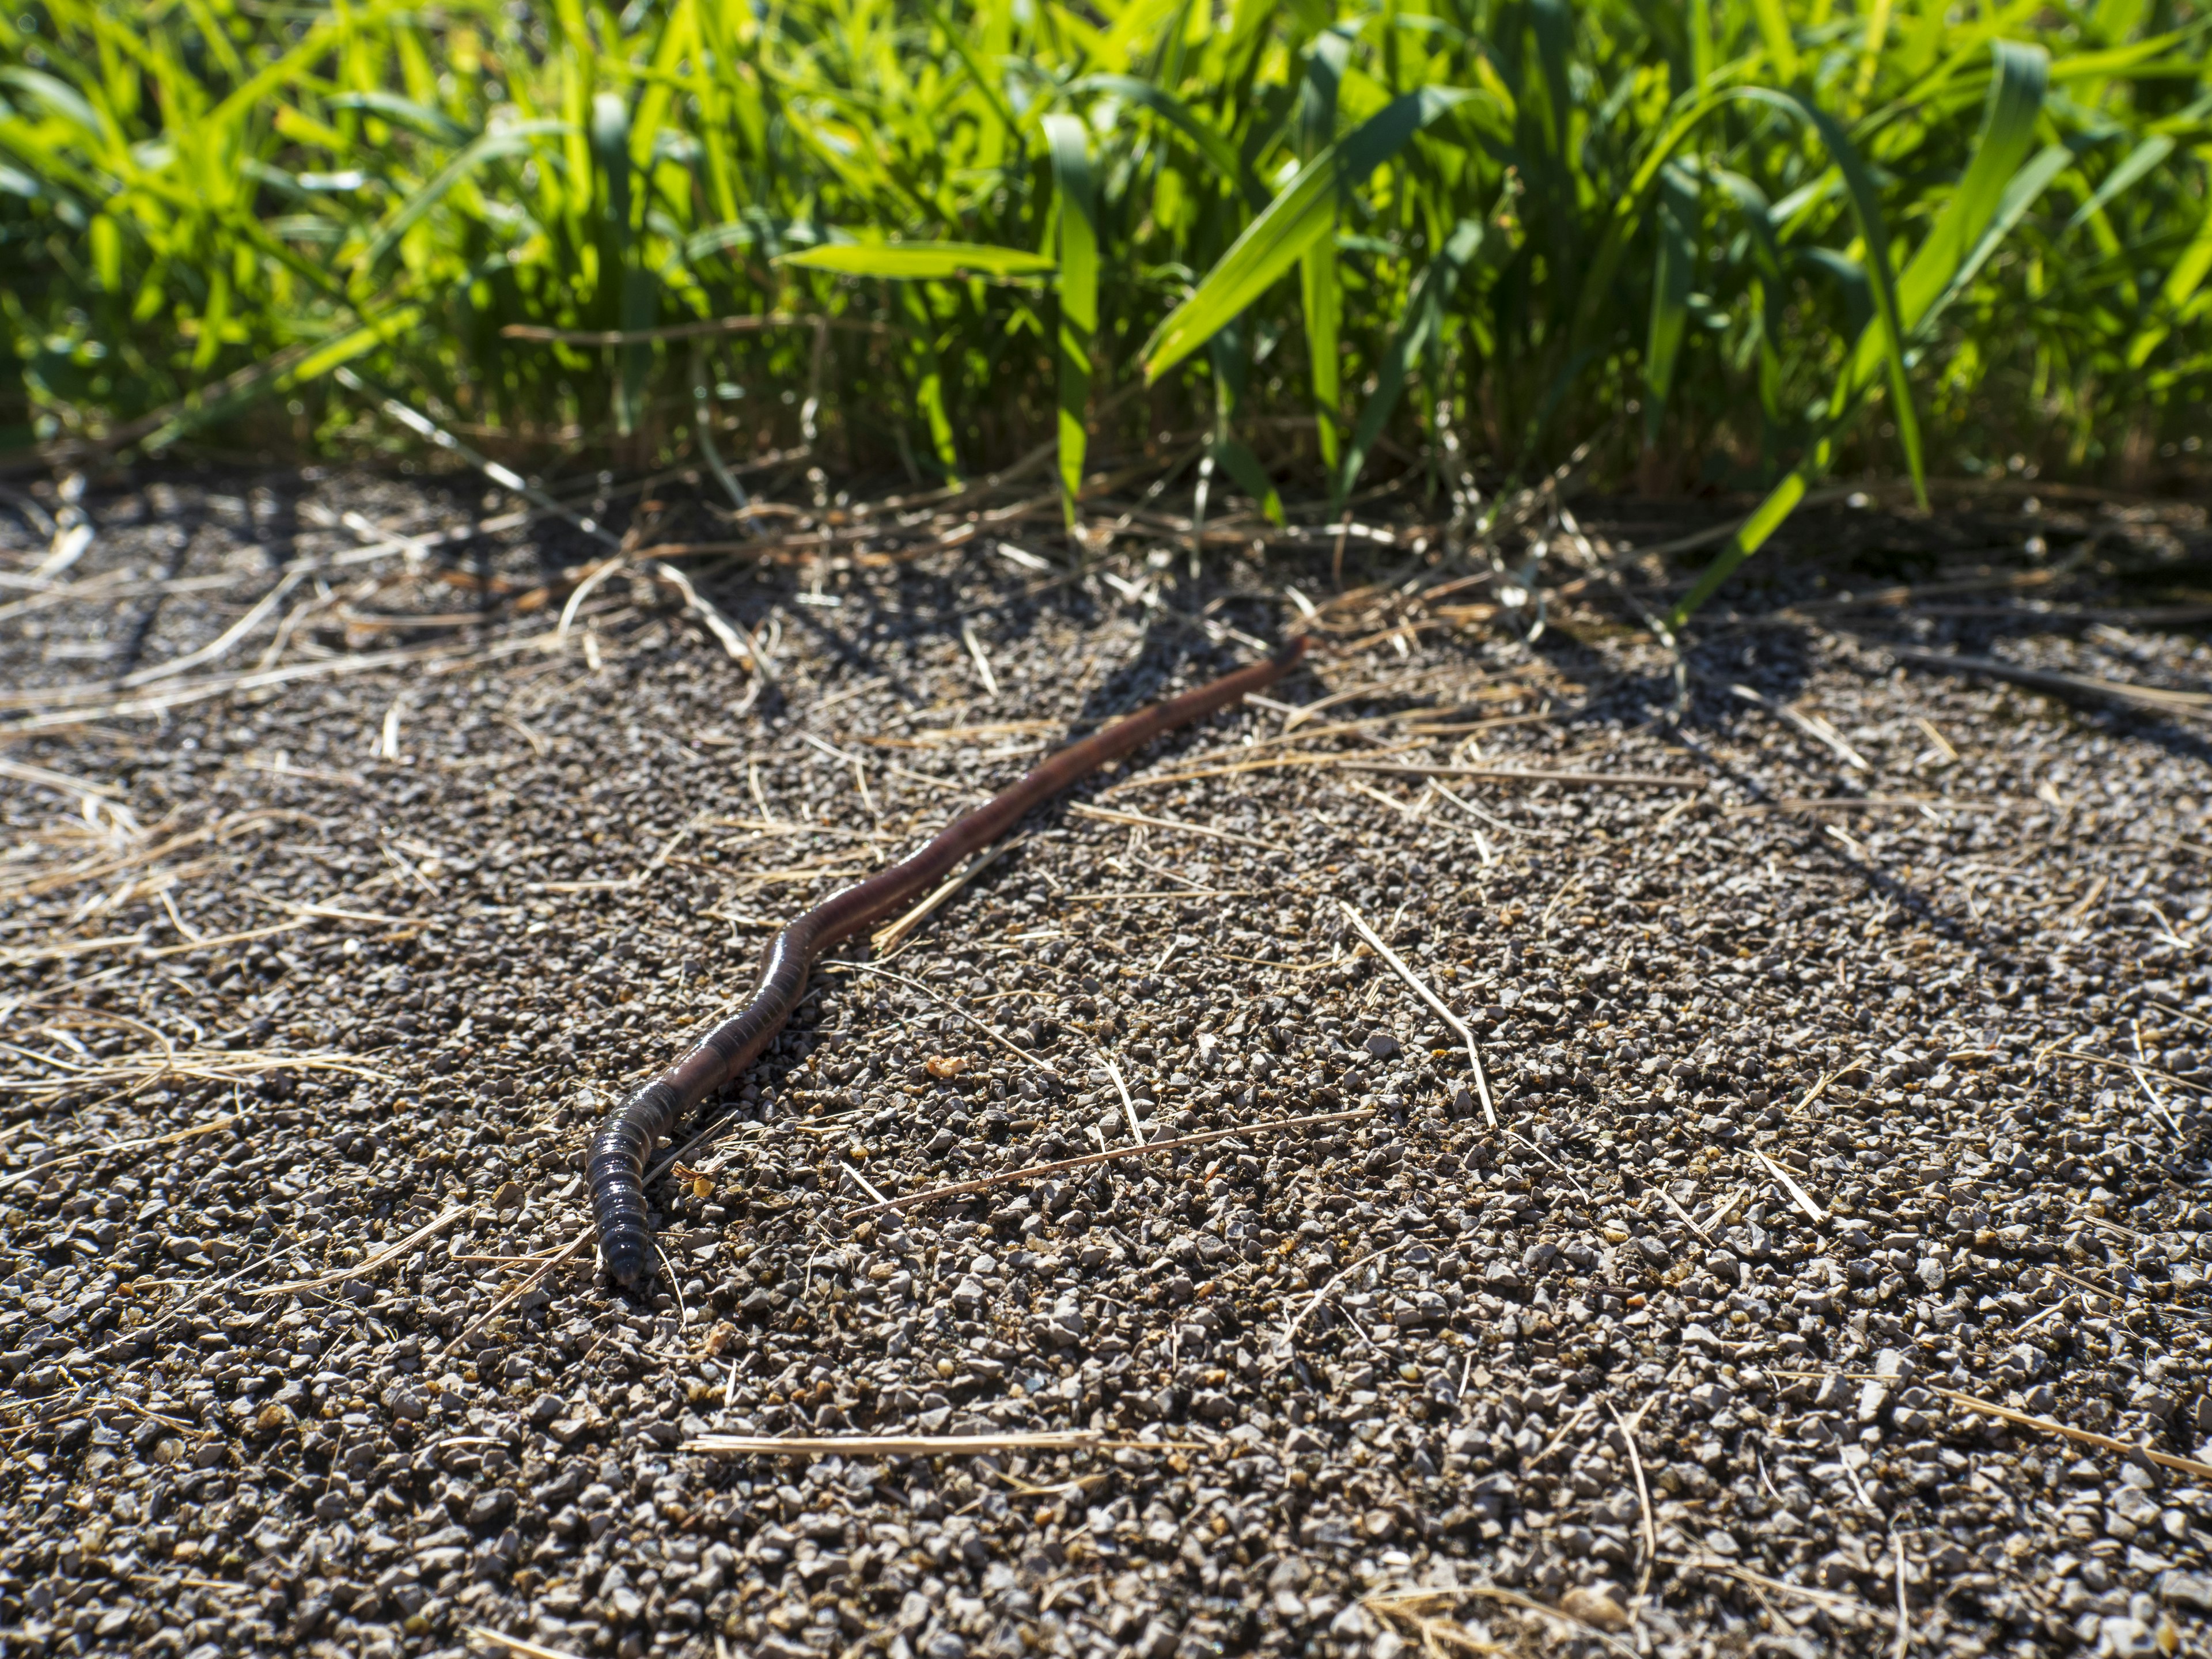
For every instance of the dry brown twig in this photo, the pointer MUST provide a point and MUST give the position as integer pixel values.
(1390, 801)
(918, 1445)
(1812, 725)
(1904, 1620)
(1559, 1620)
(147, 1333)
(1157, 894)
(2052, 1049)
(893, 934)
(139, 1143)
(529, 1284)
(1290, 1330)
(1720, 1216)
(1128, 1105)
(154, 702)
(132, 852)
(1108, 815)
(1688, 1220)
(2083, 1436)
(1005, 1042)
(485, 1636)
(1795, 1192)
(736, 640)
(1628, 1428)
(60, 782)
(2150, 698)
(128, 1076)
(1036, 1171)
(1155, 780)
(1437, 1635)
(1420, 989)
(383, 1258)
(1524, 774)
(1829, 1600)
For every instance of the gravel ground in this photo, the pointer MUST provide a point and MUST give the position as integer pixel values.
(313, 990)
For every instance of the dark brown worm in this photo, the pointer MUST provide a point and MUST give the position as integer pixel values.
(619, 1151)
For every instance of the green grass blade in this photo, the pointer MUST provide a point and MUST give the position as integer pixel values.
(1320, 295)
(619, 275)
(2149, 153)
(490, 147)
(2163, 54)
(1991, 196)
(1553, 23)
(1208, 142)
(433, 124)
(1774, 30)
(1752, 535)
(677, 39)
(309, 47)
(2035, 177)
(1327, 60)
(2015, 101)
(929, 391)
(1077, 186)
(1866, 208)
(918, 261)
(1989, 199)
(1752, 205)
(1424, 320)
(1677, 235)
(993, 98)
(1235, 457)
(57, 94)
(349, 346)
(191, 188)
(1321, 289)
(1302, 213)
(2183, 280)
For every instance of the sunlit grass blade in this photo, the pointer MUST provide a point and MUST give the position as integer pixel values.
(2015, 101)
(1205, 140)
(2150, 153)
(2020, 194)
(1069, 142)
(1752, 534)
(1774, 30)
(2183, 280)
(1291, 223)
(1425, 308)
(1676, 233)
(1322, 297)
(1235, 457)
(1874, 232)
(918, 261)
(489, 147)
(429, 123)
(1320, 287)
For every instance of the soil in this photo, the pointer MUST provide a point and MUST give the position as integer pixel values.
(1857, 1068)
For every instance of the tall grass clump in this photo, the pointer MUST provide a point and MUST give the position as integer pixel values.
(1738, 243)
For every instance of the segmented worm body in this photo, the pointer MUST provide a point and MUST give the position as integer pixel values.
(620, 1149)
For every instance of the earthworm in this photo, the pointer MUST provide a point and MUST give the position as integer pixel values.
(619, 1150)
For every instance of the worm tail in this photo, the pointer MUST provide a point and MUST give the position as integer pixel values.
(617, 1176)
(619, 1151)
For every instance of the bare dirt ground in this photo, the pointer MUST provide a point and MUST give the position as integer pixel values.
(1850, 1067)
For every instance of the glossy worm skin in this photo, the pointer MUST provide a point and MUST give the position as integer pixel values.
(620, 1149)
